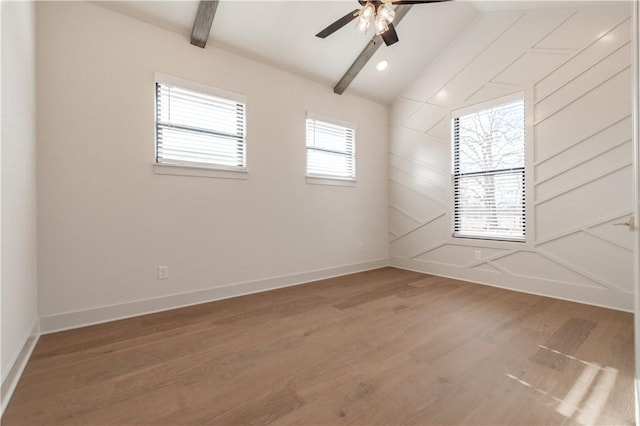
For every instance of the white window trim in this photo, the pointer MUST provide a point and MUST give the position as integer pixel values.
(332, 181)
(199, 87)
(196, 171)
(212, 171)
(315, 179)
(528, 244)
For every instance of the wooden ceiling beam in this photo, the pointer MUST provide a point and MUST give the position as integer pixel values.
(203, 21)
(368, 52)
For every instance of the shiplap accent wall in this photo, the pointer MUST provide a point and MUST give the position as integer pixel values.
(575, 67)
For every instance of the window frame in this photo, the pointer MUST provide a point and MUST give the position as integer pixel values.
(199, 170)
(323, 179)
(525, 93)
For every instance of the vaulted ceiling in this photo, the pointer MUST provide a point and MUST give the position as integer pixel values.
(282, 34)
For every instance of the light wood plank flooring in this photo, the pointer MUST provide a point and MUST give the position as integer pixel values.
(379, 347)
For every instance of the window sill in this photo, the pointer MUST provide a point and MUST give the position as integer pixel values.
(496, 239)
(316, 180)
(177, 170)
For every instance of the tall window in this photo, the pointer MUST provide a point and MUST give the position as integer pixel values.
(489, 173)
(330, 149)
(198, 129)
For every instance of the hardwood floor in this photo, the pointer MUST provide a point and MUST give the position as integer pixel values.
(379, 347)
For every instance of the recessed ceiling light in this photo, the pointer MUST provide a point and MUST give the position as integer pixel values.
(382, 65)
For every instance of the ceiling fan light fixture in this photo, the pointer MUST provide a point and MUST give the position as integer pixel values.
(367, 14)
(381, 25)
(368, 11)
(363, 24)
(386, 12)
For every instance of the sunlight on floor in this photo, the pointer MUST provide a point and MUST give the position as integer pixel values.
(595, 381)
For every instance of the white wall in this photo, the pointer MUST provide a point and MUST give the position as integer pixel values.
(18, 188)
(636, 145)
(576, 67)
(106, 221)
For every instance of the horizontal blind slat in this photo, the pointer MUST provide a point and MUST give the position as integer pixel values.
(198, 129)
(489, 179)
(330, 149)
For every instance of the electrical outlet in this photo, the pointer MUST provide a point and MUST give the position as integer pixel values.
(360, 246)
(478, 255)
(163, 272)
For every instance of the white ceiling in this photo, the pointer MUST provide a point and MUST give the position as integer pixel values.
(282, 34)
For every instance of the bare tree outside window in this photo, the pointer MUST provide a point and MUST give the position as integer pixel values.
(488, 172)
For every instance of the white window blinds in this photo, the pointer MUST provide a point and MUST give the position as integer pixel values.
(198, 129)
(489, 173)
(330, 150)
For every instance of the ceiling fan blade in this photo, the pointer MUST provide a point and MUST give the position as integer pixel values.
(390, 36)
(338, 24)
(416, 1)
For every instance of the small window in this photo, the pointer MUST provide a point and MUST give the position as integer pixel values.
(489, 173)
(198, 129)
(330, 150)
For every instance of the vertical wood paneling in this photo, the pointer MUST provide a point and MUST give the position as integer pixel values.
(577, 62)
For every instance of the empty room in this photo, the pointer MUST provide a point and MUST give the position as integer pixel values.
(363, 212)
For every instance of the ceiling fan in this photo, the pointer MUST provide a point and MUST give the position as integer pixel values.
(376, 12)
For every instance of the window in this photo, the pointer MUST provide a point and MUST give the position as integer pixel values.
(489, 173)
(196, 128)
(330, 149)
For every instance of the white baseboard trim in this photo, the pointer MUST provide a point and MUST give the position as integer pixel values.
(70, 320)
(10, 381)
(595, 296)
